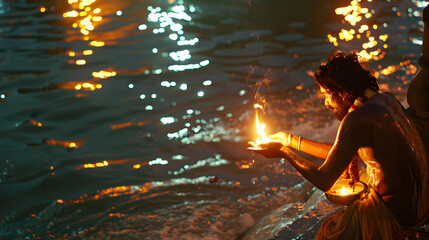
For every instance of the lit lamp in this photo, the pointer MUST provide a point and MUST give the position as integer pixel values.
(344, 194)
(262, 138)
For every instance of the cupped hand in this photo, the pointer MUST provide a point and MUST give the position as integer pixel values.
(270, 150)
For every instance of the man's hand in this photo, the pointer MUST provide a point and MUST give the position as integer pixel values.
(283, 138)
(270, 150)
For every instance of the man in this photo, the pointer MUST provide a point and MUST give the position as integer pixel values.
(375, 126)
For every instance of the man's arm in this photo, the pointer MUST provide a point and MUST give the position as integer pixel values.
(337, 160)
(317, 149)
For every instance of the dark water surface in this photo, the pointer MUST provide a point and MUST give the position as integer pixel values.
(130, 119)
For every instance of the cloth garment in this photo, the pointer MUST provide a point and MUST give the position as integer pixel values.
(367, 218)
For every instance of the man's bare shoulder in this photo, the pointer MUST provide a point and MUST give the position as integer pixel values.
(379, 109)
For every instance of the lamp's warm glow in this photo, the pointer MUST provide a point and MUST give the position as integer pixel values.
(260, 126)
(346, 191)
(343, 191)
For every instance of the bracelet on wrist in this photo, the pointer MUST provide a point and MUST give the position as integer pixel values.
(299, 143)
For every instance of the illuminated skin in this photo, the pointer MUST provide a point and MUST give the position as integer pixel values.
(381, 133)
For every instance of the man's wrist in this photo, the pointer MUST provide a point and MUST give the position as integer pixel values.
(296, 142)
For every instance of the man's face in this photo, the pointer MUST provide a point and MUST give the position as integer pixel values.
(335, 103)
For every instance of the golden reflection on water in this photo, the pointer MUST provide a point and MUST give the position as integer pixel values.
(66, 144)
(245, 164)
(410, 69)
(374, 46)
(96, 165)
(354, 14)
(129, 124)
(113, 192)
(106, 163)
(104, 74)
(86, 19)
(97, 43)
(407, 67)
(35, 123)
(86, 52)
(87, 86)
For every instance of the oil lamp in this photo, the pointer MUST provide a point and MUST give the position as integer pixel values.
(344, 194)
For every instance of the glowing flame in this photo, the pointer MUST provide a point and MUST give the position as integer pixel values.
(260, 126)
(346, 191)
(343, 191)
(263, 138)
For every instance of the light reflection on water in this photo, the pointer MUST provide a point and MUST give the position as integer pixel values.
(354, 14)
(169, 20)
(375, 47)
(136, 115)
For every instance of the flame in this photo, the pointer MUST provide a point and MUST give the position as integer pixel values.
(346, 191)
(260, 126)
(343, 191)
(263, 138)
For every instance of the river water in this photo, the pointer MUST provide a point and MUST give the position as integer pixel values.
(130, 119)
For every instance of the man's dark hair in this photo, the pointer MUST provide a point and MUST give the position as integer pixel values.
(344, 74)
